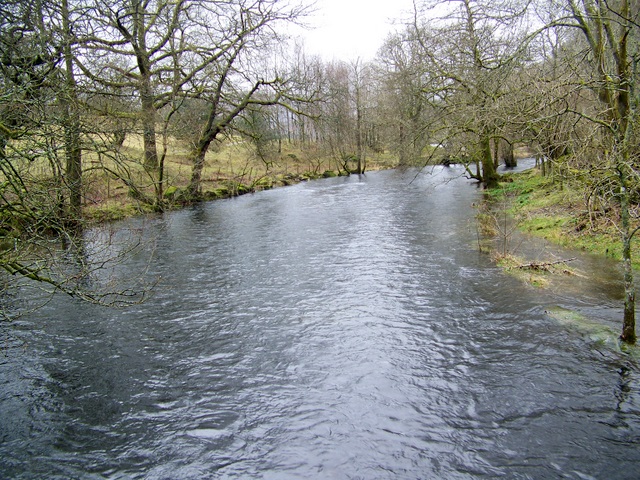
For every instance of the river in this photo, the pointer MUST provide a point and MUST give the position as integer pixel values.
(346, 328)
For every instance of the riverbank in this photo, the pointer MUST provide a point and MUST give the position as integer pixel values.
(124, 188)
(559, 210)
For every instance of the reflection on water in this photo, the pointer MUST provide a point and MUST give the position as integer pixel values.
(345, 328)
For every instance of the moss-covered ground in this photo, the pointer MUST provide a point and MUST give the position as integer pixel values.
(557, 210)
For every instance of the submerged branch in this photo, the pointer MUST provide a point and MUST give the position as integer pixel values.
(542, 265)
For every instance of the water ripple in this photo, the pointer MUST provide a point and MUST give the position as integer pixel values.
(338, 329)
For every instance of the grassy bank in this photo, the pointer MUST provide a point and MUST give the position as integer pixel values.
(232, 168)
(561, 211)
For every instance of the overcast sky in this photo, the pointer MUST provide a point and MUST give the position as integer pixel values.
(351, 29)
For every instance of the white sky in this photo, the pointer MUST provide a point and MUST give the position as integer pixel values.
(351, 29)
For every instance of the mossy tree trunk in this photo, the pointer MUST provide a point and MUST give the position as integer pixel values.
(490, 176)
(509, 156)
(222, 112)
(147, 98)
(629, 317)
(73, 152)
(610, 31)
(198, 159)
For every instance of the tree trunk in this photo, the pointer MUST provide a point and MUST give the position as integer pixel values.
(508, 156)
(629, 320)
(149, 127)
(73, 150)
(194, 190)
(143, 60)
(159, 206)
(403, 148)
(489, 175)
(359, 132)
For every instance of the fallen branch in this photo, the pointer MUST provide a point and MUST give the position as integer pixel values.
(543, 265)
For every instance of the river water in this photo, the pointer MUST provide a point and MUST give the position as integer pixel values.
(347, 328)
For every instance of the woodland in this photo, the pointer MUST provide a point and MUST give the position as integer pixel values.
(111, 108)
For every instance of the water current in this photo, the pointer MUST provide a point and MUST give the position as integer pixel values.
(347, 328)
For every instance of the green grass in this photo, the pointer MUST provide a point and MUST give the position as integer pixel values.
(556, 211)
(511, 264)
(549, 227)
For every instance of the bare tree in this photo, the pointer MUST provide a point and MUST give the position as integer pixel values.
(40, 156)
(361, 75)
(337, 122)
(71, 112)
(237, 80)
(403, 72)
(604, 72)
(132, 46)
(466, 57)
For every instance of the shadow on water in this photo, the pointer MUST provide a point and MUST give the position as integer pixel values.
(345, 328)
